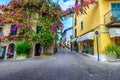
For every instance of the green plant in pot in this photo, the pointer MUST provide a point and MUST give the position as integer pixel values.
(113, 18)
(22, 49)
(112, 51)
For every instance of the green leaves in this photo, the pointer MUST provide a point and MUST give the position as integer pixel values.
(22, 48)
(112, 48)
(44, 37)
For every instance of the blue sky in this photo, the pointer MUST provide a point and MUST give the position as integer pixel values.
(65, 0)
(4, 2)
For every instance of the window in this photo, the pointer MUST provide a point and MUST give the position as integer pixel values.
(115, 7)
(13, 30)
(38, 29)
(81, 25)
(75, 32)
(1, 33)
(75, 21)
(78, 1)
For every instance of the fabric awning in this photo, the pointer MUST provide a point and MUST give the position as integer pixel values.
(114, 32)
(73, 39)
(88, 36)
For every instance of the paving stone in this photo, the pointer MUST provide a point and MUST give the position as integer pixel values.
(64, 65)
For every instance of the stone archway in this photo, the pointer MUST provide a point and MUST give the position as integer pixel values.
(10, 51)
(38, 49)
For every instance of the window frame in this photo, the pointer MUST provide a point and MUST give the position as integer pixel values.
(37, 31)
(81, 25)
(15, 30)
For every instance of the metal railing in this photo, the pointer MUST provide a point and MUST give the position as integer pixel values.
(112, 16)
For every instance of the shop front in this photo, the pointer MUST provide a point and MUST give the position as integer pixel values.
(74, 45)
(86, 43)
(88, 47)
(115, 36)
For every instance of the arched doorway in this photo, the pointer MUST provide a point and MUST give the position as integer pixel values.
(38, 49)
(1, 31)
(11, 51)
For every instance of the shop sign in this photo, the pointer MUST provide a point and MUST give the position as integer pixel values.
(105, 31)
(96, 33)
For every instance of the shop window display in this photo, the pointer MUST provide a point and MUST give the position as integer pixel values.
(88, 47)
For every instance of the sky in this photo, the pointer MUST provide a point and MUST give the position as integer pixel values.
(65, 3)
(4, 2)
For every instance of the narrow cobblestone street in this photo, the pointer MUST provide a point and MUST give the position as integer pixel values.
(62, 66)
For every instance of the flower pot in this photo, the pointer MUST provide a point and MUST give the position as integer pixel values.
(111, 57)
(21, 57)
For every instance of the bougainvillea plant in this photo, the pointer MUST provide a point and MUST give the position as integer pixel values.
(24, 13)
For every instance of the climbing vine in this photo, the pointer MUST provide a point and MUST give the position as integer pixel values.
(46, 14)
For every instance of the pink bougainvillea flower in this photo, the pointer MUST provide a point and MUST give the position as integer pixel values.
(54, 27)
(22, 12)
(3, 6)
(17, 25)
(8, 35)
(61, 24)
(28, 24)
(12, 13)
(7, 20)
(92, 1)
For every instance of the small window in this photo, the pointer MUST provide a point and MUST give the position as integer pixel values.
(13, 30)
(75, 21)
(81, 25)
(38, 29)
(1, 33)
(75, 32)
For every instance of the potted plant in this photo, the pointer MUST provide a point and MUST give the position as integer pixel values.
(112, 50)
(113, 18)
(22, 49)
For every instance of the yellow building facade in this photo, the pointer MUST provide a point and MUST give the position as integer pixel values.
(102, 18)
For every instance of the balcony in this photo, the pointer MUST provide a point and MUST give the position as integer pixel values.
(112, 18)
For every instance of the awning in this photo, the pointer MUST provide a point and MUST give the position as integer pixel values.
(114, 32)
(73, 39)
(88, 36)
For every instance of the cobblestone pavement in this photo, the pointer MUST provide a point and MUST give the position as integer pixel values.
(62, 66)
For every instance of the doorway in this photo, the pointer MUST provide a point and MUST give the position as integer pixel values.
(10, 52)
(38, 49)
